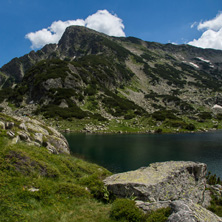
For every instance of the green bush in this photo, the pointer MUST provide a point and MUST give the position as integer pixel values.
(161, 115)
(213, 179)
(205, 115)
(160, 215)
(118, 106)
(125, 209)
(219, 116)
(52, 111)
(95, 186)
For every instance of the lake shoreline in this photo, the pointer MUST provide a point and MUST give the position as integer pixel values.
(125, 152)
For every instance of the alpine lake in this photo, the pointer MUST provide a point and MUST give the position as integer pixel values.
(125, 152)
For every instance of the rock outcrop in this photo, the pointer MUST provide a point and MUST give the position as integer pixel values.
(179, 185)
(187, 211)
(33, 132)
(183, 210)
(161, 182)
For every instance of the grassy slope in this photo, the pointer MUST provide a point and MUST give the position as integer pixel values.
(69, 188)
(65, 188)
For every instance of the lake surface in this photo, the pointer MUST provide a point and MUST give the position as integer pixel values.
(124, 152)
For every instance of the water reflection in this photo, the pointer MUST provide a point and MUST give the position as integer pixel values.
(120, 153)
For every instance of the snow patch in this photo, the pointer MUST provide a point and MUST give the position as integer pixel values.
(194, 65)
(217, 107)
(204, 60)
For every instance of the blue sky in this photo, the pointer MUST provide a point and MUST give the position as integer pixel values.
(160, 21)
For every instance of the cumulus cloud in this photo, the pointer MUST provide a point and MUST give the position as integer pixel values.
(212, 34)
(102, 21)
(105, 22)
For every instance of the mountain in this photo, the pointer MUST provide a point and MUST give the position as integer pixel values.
(116, 84)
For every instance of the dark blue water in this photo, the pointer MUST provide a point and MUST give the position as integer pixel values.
(120, 153)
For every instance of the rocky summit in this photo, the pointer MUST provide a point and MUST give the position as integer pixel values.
(126, 84)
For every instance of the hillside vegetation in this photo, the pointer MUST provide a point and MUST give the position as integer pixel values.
(124, 84)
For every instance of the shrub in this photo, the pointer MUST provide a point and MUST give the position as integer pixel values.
(190, 126)
(96, 186)
(125, 209)
(205, 115)
(219, 116)
(160, 215)
(161, 115)
(213, 179)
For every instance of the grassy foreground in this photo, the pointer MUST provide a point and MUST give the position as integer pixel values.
(38, 186)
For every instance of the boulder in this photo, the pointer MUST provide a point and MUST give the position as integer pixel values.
(38, 138)
(36, 128)
(22, 126)
(10, 133)
(51, 148)
(217, 109)
(188, 211)
(34, 132)
(164, 181)
(24, 136)
(15, 140)
(2, 125)
(60, 144)
(9, 125)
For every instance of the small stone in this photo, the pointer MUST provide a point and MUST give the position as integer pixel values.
(22, 126)
(9, 125)
(10, 133)
(2, 125)
(23, 136)
(51, 148)
(15, 140)
(33, 189)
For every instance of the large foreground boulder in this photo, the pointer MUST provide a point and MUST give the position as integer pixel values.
(164, 181)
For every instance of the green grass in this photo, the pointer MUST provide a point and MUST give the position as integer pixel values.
(69, 189)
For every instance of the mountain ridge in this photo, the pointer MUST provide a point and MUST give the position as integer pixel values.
(92, 75)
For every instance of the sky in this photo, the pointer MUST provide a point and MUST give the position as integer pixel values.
(27, 25)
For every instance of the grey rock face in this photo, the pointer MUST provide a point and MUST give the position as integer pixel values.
(38, 138)
(187, 211)
(10, 133)
(161, 182)
(22, 126)
(52, 83)
(35, 133)
(147, 206)
(60, 144)
(2, 125)
(24, 136)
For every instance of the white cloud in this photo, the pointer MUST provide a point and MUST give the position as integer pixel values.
(101, 21)
(214, 24)
(212, 36)
(105, 22)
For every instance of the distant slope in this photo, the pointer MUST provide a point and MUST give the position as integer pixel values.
(89, 74)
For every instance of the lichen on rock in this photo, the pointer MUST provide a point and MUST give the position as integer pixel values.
(161, 181)
(33, 132)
